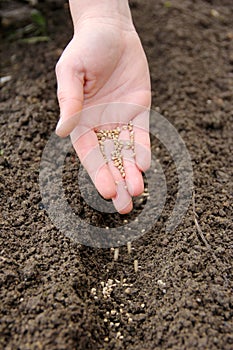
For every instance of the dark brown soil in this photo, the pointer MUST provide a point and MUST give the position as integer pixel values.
(181, 297)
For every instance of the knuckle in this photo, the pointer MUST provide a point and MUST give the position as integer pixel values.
(62, 96)
(57, 67)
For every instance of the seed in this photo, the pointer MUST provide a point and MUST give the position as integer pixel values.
(136, 265)
(116, 254)
(129, 247)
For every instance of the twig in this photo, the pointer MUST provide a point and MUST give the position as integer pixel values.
(199, 230)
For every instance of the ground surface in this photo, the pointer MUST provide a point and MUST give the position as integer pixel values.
(181, 296)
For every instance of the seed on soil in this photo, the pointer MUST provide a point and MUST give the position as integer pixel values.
(161, 283)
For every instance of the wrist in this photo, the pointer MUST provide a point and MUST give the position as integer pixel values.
(106, 11)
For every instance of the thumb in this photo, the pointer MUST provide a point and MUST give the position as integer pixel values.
(70, 96)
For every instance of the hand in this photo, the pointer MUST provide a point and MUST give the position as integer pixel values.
(104, 64)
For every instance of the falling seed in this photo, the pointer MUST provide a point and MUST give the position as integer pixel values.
(129, 247)
(116, 254)
(136, 265)
(143, 230)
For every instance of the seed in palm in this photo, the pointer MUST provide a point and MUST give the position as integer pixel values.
(114, 134)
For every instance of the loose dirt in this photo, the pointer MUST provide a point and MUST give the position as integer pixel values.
(56, 294)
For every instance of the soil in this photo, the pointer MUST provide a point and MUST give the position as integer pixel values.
(181, 297)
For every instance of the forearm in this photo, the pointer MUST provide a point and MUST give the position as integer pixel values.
(107, 10)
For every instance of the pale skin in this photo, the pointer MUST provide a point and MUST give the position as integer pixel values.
(105, 63)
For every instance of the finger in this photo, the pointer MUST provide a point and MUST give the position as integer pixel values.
(70, 96)
(122, 201)
(142, 141)
(142, 149)
(133, 176)
(87, 149)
